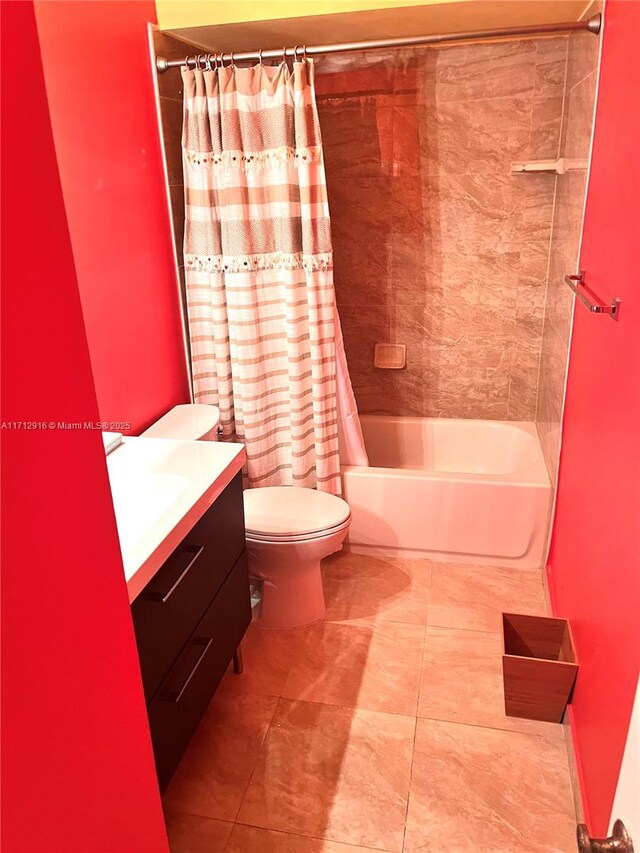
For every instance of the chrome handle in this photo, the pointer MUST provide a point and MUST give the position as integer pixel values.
(577, 281)
(163, 596)
(618, 842)
(176, 694)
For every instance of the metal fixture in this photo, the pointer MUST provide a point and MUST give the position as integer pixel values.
(238, 662)
(175, 694)
(591, 25)
(618, 842)
(560, 166)
(577, 281)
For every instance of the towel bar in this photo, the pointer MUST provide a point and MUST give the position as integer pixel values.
(576, 281)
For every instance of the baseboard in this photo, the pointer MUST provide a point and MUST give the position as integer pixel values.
(546, 590)
(574, 773)
(439, 556)
(572, 760)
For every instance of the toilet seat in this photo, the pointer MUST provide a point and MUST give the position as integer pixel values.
(309, 537)
(293, 514)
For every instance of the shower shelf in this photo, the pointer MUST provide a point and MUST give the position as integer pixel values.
(553, 167)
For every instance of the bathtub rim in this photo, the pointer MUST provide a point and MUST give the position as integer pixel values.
(535, 474)
(541, 481)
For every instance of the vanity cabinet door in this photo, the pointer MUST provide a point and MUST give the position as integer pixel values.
(174, 600)
(183, 697)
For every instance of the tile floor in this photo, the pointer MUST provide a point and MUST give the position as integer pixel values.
(380, 728)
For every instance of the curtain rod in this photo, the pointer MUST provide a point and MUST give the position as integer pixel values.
(591, 25)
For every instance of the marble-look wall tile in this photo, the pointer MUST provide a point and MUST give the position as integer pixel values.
(475, 137)
(546, 116)
(171, 90)
(525, 362)
(583, 54)
(170, 84)
(437, 246)
(350, 135)
(577, 120)
(492, 70)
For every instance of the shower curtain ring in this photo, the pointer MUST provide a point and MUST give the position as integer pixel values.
(304, 53)
(295, 53)
(207, 62)
(231, 60)
(284, 55)
(260, 57)
(186, 62)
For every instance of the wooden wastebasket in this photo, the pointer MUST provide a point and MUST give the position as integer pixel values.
(539, 666)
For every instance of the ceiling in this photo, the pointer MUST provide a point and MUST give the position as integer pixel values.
(451, 17)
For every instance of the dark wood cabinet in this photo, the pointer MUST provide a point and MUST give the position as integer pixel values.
(189, 621)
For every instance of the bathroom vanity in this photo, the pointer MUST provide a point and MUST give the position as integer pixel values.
(180, 518)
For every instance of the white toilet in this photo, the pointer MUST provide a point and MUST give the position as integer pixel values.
(188, 422)
(289, 531)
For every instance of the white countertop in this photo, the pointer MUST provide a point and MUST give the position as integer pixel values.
(160, 489)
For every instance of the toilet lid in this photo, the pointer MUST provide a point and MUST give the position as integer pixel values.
(188, 422)
(290, 511)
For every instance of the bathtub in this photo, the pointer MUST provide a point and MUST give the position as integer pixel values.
(460, 490)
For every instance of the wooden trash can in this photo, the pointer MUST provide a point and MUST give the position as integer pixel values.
(539, 666)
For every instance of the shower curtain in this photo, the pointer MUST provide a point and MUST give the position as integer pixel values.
(265, 338)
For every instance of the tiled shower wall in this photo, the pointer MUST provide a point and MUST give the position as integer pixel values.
(170, 114)
(437, 246)
(565, 241)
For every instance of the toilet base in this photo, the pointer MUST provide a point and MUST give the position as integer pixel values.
(292, 594)
(290, 599)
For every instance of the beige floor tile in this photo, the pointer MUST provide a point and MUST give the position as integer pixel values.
(386, 589)
(475, 789)
(462, 682)
(375, 666)
(335, 773)
(474, 597)
(251, 839)
(193, 834)
(268, 655)
(215, 771)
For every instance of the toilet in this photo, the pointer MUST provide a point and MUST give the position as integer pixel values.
(188, 422)
(290, 530)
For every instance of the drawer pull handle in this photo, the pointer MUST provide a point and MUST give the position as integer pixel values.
(176, 694)
(163, 597)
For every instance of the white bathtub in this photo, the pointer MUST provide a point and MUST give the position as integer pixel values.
(462, 490)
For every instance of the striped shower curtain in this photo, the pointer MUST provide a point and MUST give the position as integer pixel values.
(258, 269)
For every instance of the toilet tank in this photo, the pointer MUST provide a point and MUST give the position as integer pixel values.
(188, 422)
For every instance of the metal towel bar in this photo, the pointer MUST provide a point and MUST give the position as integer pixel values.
(577, 281)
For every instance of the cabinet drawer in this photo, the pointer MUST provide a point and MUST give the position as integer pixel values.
(183, 697)
(172, 603)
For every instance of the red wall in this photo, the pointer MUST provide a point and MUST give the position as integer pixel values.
(595, 555)
(99, 84)
(77, 763)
